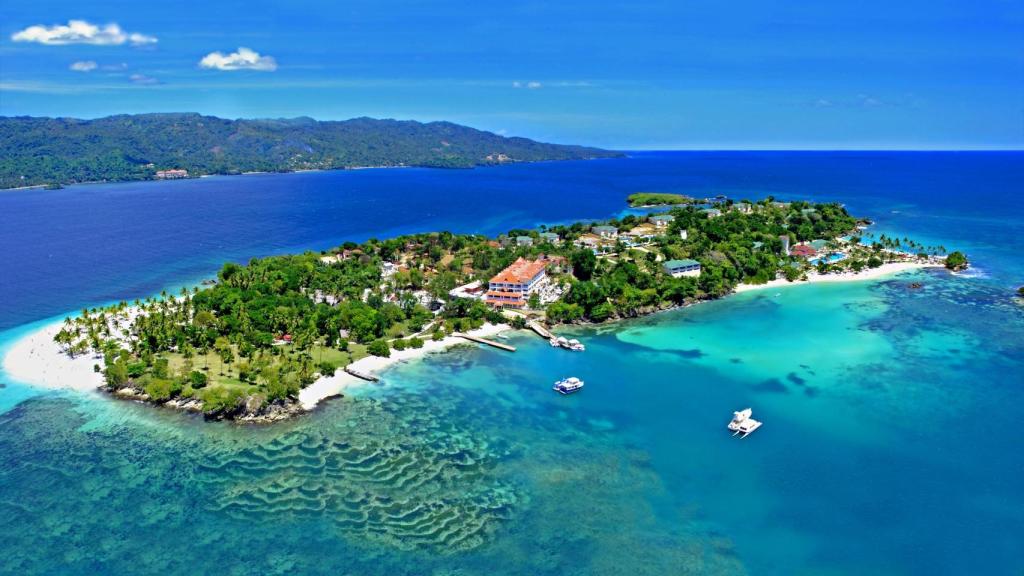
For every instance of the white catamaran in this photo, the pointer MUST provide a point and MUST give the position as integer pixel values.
(742, 423)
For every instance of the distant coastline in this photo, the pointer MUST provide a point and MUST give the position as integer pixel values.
(184, 145)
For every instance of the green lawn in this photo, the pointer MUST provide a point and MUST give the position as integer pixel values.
(226, 376)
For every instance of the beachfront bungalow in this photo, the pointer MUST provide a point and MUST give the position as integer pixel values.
(743, 207)
(678, 268)
(661, 220)
(803, 251)
(511, 287)
(549, 237)
(712, 212)
(606, 231)
(524, 241)
(818, 245)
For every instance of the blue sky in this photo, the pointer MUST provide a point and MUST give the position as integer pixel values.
(630, 74)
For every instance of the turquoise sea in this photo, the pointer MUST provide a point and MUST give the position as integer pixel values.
(890, 441)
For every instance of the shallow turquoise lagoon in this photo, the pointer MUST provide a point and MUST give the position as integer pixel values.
(889, 444)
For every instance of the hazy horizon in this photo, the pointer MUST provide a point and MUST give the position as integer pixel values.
(864, 75)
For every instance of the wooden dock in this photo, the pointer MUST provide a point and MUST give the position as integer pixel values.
(484, 341)
(541, 331)
(362, 375)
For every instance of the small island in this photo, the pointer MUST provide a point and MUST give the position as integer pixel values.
(655, 199)
(270, 338)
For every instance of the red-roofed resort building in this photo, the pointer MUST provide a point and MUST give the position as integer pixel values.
(803, 251)
(513, 285)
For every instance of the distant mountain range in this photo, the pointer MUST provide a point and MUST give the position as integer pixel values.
(54, 151)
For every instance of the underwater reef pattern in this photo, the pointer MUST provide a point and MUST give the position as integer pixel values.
(409, 483)
(418, 481)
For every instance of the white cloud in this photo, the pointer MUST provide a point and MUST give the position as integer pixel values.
(527, 85)
(81, 32)
(868, 101)
(241, 59)
(83, 66)
(143, 79)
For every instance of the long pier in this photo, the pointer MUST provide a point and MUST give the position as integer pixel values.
(363, 375)
(541, 331)
(484, 341)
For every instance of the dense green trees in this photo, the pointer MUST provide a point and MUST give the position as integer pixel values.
(583, 263)
(956, 261)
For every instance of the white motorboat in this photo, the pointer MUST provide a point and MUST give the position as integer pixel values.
(558, 342)
(563, 342)
(742, 423)
(568, 385)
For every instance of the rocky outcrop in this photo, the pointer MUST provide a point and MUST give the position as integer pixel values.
(250, 408)
(253, 409)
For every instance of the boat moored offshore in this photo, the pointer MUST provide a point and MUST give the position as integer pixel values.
(568, 385)
(742, 423)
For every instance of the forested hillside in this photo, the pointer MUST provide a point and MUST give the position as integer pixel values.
(134, 147)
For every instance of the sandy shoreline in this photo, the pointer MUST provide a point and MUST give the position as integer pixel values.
(329, 386)
(866, 274)
(36, 360)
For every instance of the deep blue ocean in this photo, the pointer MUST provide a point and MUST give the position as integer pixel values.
(890, 443)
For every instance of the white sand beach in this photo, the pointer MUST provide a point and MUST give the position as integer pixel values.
(38, 361)
(329, 386)
(865, 274)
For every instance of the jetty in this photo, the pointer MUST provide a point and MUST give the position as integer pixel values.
(540, 330)
(362, 375)
(485, 341)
